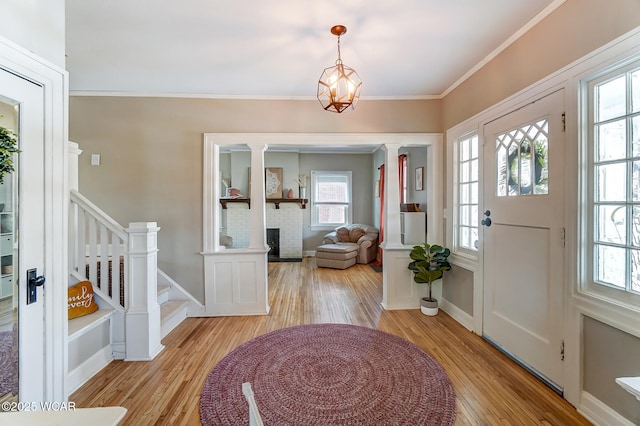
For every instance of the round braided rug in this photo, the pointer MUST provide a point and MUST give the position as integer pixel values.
(329, 374)
(8, 362)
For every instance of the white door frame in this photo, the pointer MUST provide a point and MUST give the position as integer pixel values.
(54, 81)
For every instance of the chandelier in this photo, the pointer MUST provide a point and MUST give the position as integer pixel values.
(339, 86)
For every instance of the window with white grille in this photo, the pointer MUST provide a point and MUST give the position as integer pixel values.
(614, 183)
(330, 198)
(467, 212)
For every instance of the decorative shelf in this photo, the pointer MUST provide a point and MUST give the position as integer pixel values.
(277, 201)
(225, 201)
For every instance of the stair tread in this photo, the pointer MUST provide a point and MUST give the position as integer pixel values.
(167, 309)
(77, 325)
(163, 288)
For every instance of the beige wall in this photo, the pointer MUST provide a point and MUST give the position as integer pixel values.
(611, 353)
(36, 25)
(151, 150)
(575, 29)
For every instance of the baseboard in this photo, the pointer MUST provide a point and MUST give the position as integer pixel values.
(119, 350)
(457, 314)
(85, 371)
(399, 307)
(598, 413)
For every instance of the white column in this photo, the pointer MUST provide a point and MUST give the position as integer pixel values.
(210, 196)
(257, 218)
(73, 152)
(391, 197)
(142, 323)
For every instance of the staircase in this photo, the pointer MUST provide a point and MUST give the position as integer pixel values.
(138, 303)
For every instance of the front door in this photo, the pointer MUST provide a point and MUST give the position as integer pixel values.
(23, 223)
(524, 236)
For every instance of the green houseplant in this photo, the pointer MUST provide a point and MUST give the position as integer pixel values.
(8, 147)
(428, 264)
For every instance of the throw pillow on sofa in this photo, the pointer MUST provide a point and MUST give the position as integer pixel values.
(343, 235)
(81, 300)
(355, 234)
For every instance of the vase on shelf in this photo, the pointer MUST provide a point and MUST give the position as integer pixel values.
(303, 192)
(290, 193)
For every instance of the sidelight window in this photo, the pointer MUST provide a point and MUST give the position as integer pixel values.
(467, 220)
(614, 136)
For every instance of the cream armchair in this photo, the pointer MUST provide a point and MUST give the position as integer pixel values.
(364, 236)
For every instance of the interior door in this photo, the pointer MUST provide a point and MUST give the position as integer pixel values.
(524, 236)
(26, 99)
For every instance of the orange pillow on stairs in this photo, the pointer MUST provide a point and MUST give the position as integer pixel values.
(81, 300)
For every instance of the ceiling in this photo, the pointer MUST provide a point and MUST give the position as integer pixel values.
(277, 49)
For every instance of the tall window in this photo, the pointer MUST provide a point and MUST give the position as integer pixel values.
(330, 199)
(402, 172)
(614, 127)
(467, 223)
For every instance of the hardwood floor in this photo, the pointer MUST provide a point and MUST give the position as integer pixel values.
(490, 388)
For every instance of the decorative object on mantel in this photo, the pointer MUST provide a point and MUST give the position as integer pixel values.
(273, 182)
(302, 185)
(339, 86)
(290, 193)
(226, 181)
(8, 147)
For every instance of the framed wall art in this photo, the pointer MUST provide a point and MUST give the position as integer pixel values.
(419, 178)
(273, 182)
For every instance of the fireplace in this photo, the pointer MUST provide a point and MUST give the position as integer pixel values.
(275, 250)
(273, 241)
(286, 222)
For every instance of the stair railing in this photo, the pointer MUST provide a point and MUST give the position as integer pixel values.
(97, 247)
(122, 265)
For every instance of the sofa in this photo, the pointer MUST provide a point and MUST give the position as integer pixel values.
(363, 237)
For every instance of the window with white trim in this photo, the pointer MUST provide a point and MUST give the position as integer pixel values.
(614, 183)
(466, 223)
(330, 199)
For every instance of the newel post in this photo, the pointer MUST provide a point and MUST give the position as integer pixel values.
(142, 322)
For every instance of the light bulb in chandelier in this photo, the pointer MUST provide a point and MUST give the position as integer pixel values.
(339, 85)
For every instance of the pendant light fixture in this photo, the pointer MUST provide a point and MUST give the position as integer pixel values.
(339, 86)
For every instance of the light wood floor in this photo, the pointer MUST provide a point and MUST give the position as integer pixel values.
(490, 389)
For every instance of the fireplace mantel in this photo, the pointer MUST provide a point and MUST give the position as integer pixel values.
(302, 201)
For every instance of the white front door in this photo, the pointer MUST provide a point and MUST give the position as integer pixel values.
(524, 236)
(27, 228)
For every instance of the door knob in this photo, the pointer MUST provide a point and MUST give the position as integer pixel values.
(486, 222)
(33, 282)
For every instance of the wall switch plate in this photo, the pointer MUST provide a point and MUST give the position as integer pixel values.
(95, 159)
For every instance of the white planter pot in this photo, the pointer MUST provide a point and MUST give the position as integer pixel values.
(429, 311)
(429, 307)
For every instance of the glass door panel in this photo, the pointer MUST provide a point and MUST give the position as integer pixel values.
(8, 270)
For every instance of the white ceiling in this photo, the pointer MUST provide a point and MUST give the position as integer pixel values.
(403, 49)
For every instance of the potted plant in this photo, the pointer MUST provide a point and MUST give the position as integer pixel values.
(428, 264)
(8, 147)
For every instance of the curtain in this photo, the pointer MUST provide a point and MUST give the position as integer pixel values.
(381, 225)
(402, 174)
